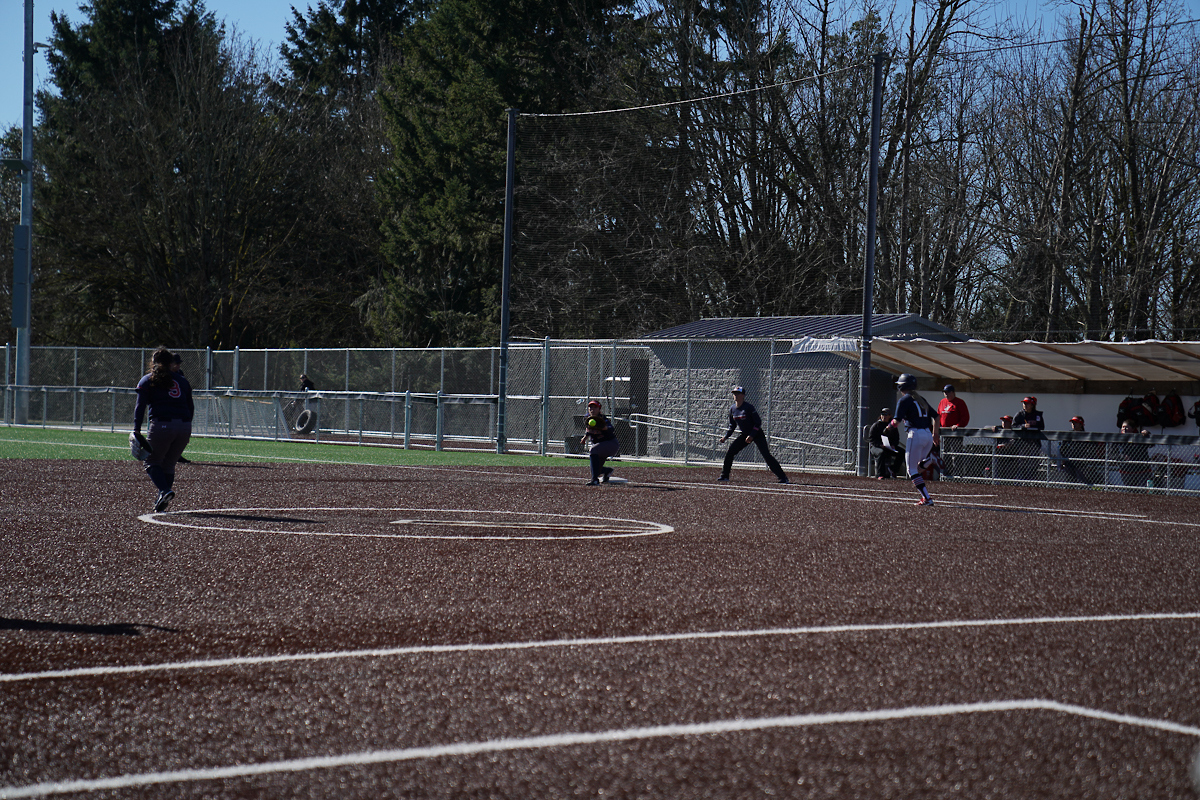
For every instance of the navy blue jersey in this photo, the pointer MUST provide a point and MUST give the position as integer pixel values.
(1032, 419)
(745, 418)
(170, 401)
(604, 430)
(913, 414)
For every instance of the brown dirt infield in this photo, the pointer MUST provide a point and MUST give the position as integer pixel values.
(513, 633)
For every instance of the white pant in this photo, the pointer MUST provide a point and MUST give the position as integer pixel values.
(920, 444)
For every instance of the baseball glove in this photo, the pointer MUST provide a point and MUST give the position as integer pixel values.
(139, 448)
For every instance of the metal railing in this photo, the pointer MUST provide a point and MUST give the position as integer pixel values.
(700, 443)
(1128, 462)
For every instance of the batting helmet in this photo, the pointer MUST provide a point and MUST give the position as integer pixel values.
(906, 381)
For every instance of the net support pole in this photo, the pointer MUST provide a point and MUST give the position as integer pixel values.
(505, 281)
(864, 357)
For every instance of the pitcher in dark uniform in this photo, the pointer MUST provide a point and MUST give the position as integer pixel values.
(166, 396)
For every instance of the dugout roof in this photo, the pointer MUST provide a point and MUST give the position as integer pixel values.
(830, 325)
(1083, 362)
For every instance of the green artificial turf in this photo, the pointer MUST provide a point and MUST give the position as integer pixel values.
(63, 443)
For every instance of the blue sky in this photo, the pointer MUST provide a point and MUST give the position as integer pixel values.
(262, 20)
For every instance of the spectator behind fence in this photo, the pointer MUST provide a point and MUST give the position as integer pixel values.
(1029, 417)
(952, 414)
(1133, 457)
(1083, 461)
(884, 441)
(952, 411)
(1003, 466)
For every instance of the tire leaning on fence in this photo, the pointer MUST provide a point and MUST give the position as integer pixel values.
(306, 421)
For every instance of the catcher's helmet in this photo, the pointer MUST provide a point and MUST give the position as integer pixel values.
(136, 450)
(906, 381)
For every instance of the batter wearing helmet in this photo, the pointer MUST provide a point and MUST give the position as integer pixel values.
(745, 417)
(600, 430)
(918, 454)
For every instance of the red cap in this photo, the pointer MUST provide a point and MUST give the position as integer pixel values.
(1076, 419)
(1030, 399)
(1006, 416)
(595, 403)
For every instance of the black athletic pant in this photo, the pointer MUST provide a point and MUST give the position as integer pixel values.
(740, 444)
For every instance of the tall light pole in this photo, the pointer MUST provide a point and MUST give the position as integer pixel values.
(23, 233)
(864, 359)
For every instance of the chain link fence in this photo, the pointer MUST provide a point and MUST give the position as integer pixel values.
(669, 399)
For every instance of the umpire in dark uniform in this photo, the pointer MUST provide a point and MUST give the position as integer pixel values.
(744, 418)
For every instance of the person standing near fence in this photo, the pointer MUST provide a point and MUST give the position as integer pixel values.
(605, 445)
(166, 397)
(952, 415)
(744, 417)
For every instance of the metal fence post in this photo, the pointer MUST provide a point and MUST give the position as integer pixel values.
(612, 393)
(438, 423)
(770, 384)
(266, 368)
(408, 419)
(545, 396)
(75, 383)
(687, 406)
(208, 369)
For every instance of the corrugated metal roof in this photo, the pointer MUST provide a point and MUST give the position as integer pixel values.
(896, 325)
(1152, 361)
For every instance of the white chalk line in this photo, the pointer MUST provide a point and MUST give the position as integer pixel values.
(609, 641)
(577, 739)
(867, 495)
(602, 527)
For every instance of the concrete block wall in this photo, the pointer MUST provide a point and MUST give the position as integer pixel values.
(803, 398)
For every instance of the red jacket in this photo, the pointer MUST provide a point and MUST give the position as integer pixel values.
(953, 411)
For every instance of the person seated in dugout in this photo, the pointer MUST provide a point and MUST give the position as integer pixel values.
(1083, 461)
(1004, 455)
(883, 439)
(1133, 457)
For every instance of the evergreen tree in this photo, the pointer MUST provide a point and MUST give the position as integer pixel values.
(445, 115)
(181, 202)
